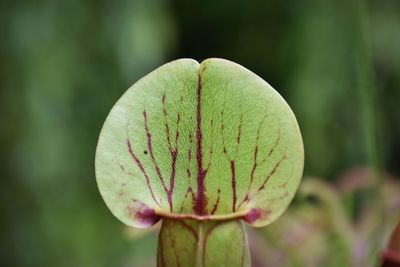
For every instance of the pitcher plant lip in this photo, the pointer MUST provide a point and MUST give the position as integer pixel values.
(250, 216)
(214, 217)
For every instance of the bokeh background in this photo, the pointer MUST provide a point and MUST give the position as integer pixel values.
(63, 64)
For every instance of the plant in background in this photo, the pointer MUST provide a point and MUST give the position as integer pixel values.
(321, 230)
(203, 147)
(391, 257)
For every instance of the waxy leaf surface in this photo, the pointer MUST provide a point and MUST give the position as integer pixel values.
(203, 141)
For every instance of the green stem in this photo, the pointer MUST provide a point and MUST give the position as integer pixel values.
(370, 112)
(195, 243)
(367, 90)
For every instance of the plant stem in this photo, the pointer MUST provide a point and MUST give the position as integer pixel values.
(370, 115)
(189, 243)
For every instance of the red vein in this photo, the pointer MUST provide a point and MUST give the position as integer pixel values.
(190, 147)
(189, 190)
(178, 119)
(188, 227)
(239, 133)
(139, 164)
(189, 174)
(158, 171)
(255, 155)
(216, 203)
(234, 197)
(172, 237)
(167, 131)
(273, 148)
(124, 170)
(222, 134)
(231, 161)
(122, 167)
(201, 201)
(272, 200)
(271, 173)
(150, 148)
(173, 151)
(211, 148)
(172, 178)
(206, 236)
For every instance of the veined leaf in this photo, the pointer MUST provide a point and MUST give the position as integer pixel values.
(209, 141)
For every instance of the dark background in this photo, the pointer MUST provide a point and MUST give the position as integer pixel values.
(65, 63)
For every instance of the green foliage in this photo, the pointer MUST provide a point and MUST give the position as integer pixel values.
(316, 230)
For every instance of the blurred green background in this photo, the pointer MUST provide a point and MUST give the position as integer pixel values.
(65, 63)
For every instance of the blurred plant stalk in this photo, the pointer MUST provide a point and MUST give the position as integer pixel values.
(370, 114)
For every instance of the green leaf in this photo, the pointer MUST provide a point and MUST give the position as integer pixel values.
(207, 141)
